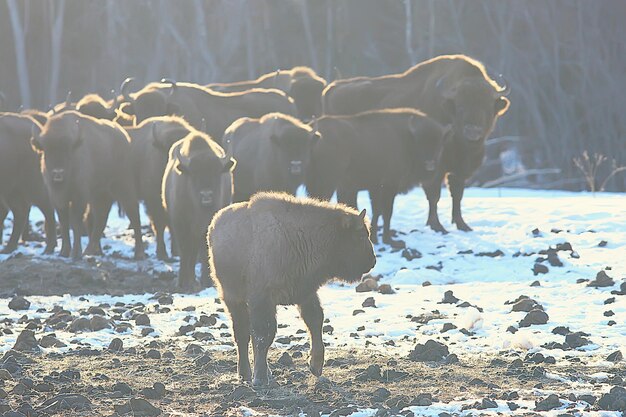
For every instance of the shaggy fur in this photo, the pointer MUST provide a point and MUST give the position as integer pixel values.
(277, 249)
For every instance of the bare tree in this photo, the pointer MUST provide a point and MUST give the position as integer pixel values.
(20, 53)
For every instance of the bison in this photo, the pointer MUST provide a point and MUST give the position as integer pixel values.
(272, 153)
(95, 106)
(21, 183)
(201, 106)
(279, 250)
(197, 183)
(40, 116)
(86, 164)
(452, 89)
(383, 151)
(300, 83)
(150, 145)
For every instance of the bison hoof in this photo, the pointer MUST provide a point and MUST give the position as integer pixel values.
(260, 381)
(437, 227)
(395, 244)
(140, 256)
(49, 250)
(461, 225)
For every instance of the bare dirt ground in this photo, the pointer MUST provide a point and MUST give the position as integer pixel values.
(161, 378)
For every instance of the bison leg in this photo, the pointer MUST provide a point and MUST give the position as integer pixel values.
(99, 212)
(347, 196)
(205, 278)
(44, 204)
(241, 331)
(313, 316)
(27, 233)
(188, 258)
(3, 215)
(64, 220)
(158, 219)
(456, 184)
(263, 328)
(131, 206)
(375, 201)
(388, 196)
(20, 209)
(433, 194)
(77, 211)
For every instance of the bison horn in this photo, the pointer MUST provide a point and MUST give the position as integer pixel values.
(506, 88)
(182, 160)
(68, 98)
(124, 88)
(362, 214)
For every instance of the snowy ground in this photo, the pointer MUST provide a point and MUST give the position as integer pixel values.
(519, 223)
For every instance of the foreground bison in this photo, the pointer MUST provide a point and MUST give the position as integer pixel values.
(386, 152)
(300, 83)
(86, 164)
(150, 145)
(95, 106)
(272, 153)
(21, 183)
(197, 183)
(203, 107)
(277, 250)
(453, 89)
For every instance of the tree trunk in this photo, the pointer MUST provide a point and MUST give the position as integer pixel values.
(20, 53)
(57, 15)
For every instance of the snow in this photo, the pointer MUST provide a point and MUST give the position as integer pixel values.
(502, 219)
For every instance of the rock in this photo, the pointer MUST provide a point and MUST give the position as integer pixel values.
(536, 232)
(380, 394)
(79, 325)
(98, 323)
(535, 284)
(615, 356)
(138, 407)
(123, 388)
(448, 327)
(535, 358)
(367, 285)
(155, 393)
(49, 341)
(96, 310)
(153, 354)
(183, 330)
(5, 375)
(146, 331)
(371, 373)
(449, 298)
(286, 359)
(577, 339)
(142, 320)
(540, 269)
(369, 302)
(534, 317)
(603, 244)
(422, 400)
(241, 392)
(609, 313)
(493, 254)
(430, 351)
(553, 259)
(589, 399)
(602, 280)
(62, 402)
(202, 336)
(511, 329)
(549, 403)
(526, 305)
(116, 345)
(358, 311)
(165, 299)
(614, 400)
(328, 329)
(386, 289)
(487, 403)
(410, 254)
(26, 342)
(194, 349)
(563, 331)
(18, 303)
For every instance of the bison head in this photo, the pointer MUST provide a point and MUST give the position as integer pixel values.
(165, 135)
(57, 144)
(205, 171)
(473, 105)
(307, 96)
(292, 144)
(353, 253)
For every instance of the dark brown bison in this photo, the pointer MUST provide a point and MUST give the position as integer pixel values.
(197, 183)
(86, 164)
(95, 106)
(272, 154)
(21, 183)
(203, 107)
(300, 83)
(277, 250)
(383, 151)
(453, 89)
(40, 116)
(150, 145)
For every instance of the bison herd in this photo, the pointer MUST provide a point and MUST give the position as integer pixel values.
(198, 156)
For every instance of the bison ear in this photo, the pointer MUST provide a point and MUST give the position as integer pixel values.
(229, 164)
(502, 105)
(182, 162)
